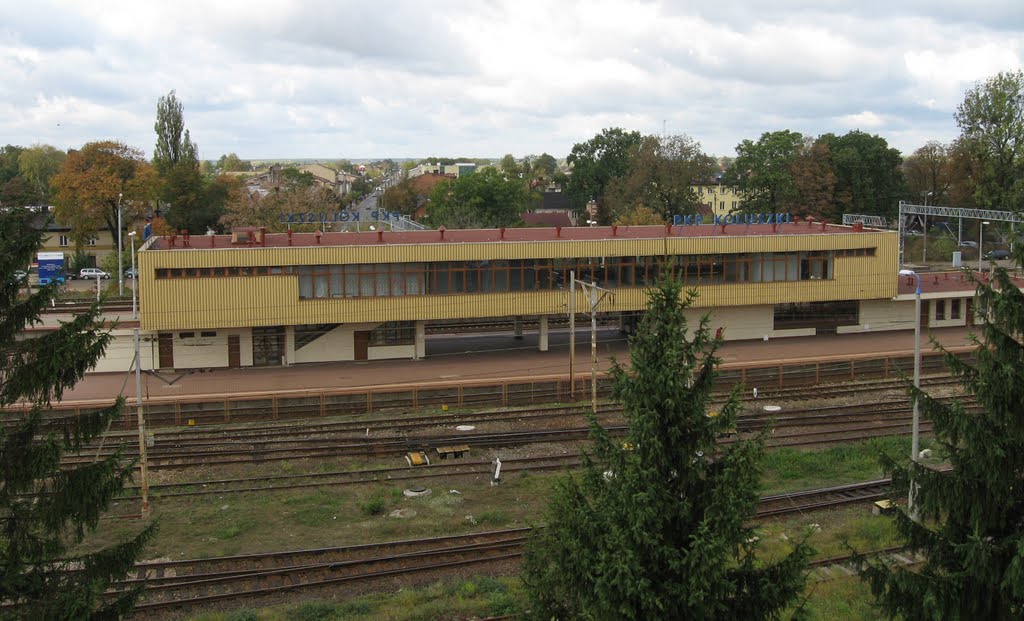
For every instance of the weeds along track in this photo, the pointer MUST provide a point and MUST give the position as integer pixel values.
(171, 585)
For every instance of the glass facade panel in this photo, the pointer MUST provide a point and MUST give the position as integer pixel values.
(501, 276)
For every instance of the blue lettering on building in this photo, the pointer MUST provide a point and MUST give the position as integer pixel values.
(321, 217)
(739, 218)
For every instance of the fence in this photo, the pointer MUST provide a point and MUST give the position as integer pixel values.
(291, 405)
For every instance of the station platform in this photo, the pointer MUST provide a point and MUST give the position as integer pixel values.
(483, 356)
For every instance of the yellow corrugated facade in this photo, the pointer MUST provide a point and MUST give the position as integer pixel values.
(233, 302)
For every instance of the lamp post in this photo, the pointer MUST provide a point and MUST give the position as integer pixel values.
(120, 268)
(981, 242)
(135, 278)
(916, 426)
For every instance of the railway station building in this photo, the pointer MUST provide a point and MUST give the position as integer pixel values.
(254, 298)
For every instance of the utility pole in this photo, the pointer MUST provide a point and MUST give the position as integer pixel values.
(120, 266)
(143, 462)
(595, 300)
(572, 335)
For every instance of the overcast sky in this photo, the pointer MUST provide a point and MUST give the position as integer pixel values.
(481, 78)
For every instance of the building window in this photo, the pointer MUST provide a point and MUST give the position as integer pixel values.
(940, 309)
(954, 309)
(208, 334)
(92, 241)
(824, 316)
(856, 252)
(186, 335)
(64, 241)
(394, 333)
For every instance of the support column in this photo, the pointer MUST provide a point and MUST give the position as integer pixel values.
(289, 345)
(518, 322)
(543, 340)
(420, 342)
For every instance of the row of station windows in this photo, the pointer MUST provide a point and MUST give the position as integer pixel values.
(499, 276)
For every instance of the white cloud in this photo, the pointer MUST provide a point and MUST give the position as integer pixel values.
(322, 78)
(865, 120)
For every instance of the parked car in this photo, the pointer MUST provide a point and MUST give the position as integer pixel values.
(131, 272)
(92, 272)
(968, 244)
(20, 276)
(998, 255)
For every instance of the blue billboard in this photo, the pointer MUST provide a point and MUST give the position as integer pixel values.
(51, 267)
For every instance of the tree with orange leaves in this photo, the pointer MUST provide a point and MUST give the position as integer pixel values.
(94, 180)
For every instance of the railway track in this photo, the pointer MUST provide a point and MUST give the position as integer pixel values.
(446, 470)
(825, 498)
(111, 306)
(170, 585)
(173, 584)
(818, 425)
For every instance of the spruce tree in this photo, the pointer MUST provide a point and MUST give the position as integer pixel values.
(656, 526)
(970, 524)
(47, 510)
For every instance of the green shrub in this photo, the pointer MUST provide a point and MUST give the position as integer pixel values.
(315, 611)
(241, 615)
(358, 607)
(502, 604)
(374, 505)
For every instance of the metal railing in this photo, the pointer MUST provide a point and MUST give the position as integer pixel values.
(299, 404)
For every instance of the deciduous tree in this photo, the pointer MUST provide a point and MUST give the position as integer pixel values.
(176, 160)
(484, 199)
(763, 171)
(928, 172)
(869, 175)
(15, 189)
(546, 164)
(173, 143)
(656, 526)
(510, 166)
(595, 163)
(231, 163)
(814, 183)
(991, 120)
(38, 164)
(661, 176)
(93, 180)
(48, 508)
(402, 198)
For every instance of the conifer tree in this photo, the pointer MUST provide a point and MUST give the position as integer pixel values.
(46, 510)
(970, 524)
(657, 524)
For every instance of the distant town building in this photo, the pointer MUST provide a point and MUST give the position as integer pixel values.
(449, 170)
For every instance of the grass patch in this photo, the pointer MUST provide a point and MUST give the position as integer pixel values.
(788, 469)
(235, 528)
(316, 509)
(844, 598)
(492, 518)
(835, 532)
